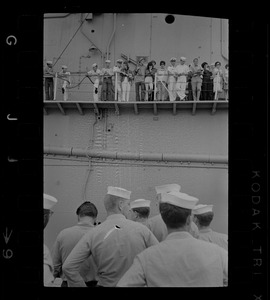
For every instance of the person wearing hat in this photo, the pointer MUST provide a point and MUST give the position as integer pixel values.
(155, 223)
(140, 210)
(94, 75)
(49, 75)
(172, 76)
(113, 243)
(118, 78)
(126, 80)
(139, 75)
(48, 278)
(107, 93)
(203, 216)
(69, 237)
(182, 71)
(180, 260)
(196, 72)
(65, 76)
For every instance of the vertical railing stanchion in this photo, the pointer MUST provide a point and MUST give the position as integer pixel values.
(116, 87)
(55, 86)
(155, 88)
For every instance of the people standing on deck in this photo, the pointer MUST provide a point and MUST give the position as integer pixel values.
(113, 244)
(107, 84)
(126, 80)
(49, 75)
(67, 240)
(94, 76)
(182, 71)
(65, 76)
(226, 81)
(172, 77)
(196, 79)
(207, 83)
(117, 79)
(180, 260)
(140, 210)
(139, 74)
(48, 278)
(217, 74)
(153, 73)
(203, 216)
(162, 79)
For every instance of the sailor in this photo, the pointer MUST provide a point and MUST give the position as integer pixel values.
(117, 78)
(113, 244)
(140, 210)
(49, 75)
(48, 278)
(94, 75)
(203, 216)
(182, 71)
(172, 76)
(69, 237)
(107, 85)
(156, 224)
(180, 260)
(65, 76)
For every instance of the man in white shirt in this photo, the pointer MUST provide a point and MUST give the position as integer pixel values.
(203, 216)
(117, 78)
(172, 75)
(65, 76)
(113, 243)
(94, 76)
(182, 71)
(180, 260)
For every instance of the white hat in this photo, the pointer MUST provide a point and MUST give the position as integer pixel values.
(173, 59)
(108, 61)
(183, 58)
(64, 67)
(48, 201)
(179, 199)
(49, 62)
(140, 203)
(119, 60)
(94, 65)
(168, 188)
(117, 191)
(202, 208)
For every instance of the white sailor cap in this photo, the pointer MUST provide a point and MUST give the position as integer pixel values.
(107, 61)
(140, 203)
(168, 188)
(202, 209)
(49, 62)
(64, 67)
(173, 59)
(119, 192)
(179, 199)
(48, 201)
(183, 58)
(94, 65)
(119, 60)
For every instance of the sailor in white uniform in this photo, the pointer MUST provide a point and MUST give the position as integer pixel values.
(203, 216)
(182, 71)
(113, 243)
(156, 224)
(172, 76)
(94, 75)
(48, 278)
(140, 210)
(180, 260)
